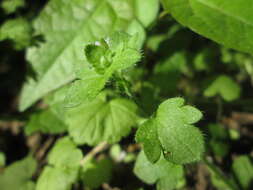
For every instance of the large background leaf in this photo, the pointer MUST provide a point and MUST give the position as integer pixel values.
(227, 22)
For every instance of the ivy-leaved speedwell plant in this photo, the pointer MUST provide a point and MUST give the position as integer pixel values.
(126, 89)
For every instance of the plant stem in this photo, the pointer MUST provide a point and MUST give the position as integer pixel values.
(219, 109)
(99, 148)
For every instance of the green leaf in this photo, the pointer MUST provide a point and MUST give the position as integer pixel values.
(167, 72)
(115, 152)
(223, 85)
(28, 186)
(86, 89)
(95, 173)
(101, 120)
(67, 26)
(219, 139)
(56, 179)
(204, 60)
(226, 22)
(146, 12)
(190, 114)
(129, 157)
(167, 175)
(219, 181)
(109, 55)
(2, 159)
(219, 148)
(50, 120)
(65, 154)
(46, 121)
(10, 6)
(174, 63)
(181, 141)
(243, 170)
(18, 175)
(98, 56)
(147, 134)
(218, 132)
(64, 160)
(18, 30)
(234, 134)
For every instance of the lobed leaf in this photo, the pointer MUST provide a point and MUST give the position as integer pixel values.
(147, 134)
(181, 141)
(172, 132)
(18, 175)
(64, 160)
(69, 159)
(167, 175)
(95, 173)
(101, 120)
(223, 85)
(48, 121)
(56, 178)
